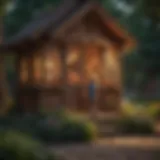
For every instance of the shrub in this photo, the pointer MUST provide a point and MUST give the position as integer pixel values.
(65, 129)
(24, 123)
(17, 146)
(148, 110)
(154, 111)
(132, 109)
(158, 114)
(73, 130)
(136, 125)
(59, 127)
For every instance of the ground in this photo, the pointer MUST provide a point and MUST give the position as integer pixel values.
(112, 149)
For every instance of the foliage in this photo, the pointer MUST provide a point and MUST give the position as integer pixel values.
(17, 146)
(152, 9)
(139, 117)
(10, 103)
(24, 12)
(154, 110)
(3, 4)
(147, 110)
(62, 127)
(141, 67)
(136, 125)
(55, 128)
(66, 130)
(130, 109)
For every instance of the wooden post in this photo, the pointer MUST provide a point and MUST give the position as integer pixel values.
(63, 50)
(82, 71)
(119, 61)
(43, 73)
(30, 69)
(18, 82)
(3, 87)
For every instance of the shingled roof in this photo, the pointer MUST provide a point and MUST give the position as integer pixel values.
(56, 18)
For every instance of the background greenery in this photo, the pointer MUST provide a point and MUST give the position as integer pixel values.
(17, 146)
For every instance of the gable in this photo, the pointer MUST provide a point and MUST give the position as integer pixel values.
(93, 19)
(89, 25)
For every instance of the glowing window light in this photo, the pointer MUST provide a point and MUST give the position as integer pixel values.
(49, 69)
(49, 64)
(72, 57)
(93, 63)
(111, 66)
(50, 76)
(52, 67)
(73, 77)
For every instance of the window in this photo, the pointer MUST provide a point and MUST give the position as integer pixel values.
(52, 66)
(73, 62)
(93, 63)
(44, 68)
(111, 68)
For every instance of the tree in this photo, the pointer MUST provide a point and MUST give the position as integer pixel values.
(152, 9)
(25, 11)
(142, 67)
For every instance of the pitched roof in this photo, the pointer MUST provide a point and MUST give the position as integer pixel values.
(55, 19)
(65, 9)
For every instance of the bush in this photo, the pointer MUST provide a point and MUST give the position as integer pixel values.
(148, 110)
(24, 123)
(60, 127)
(154, 111)
(132, 109)
(17, 146)
(158, 114)
(65, 129)
(78, 131)
(136, 125)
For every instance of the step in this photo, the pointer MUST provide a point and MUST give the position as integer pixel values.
(105, 132)
(107, 127)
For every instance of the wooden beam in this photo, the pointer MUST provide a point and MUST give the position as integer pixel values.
(3, 86)
(18, 83)
(62, 48)
(30, 61)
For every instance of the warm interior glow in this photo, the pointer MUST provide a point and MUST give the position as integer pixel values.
(73, 77)
(50, 69)
(72, 58)
(49, 64)
(93, 63)
(52, 66)
(111, 70)
(73, 62)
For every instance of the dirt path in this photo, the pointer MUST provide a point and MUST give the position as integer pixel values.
(112, 149)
